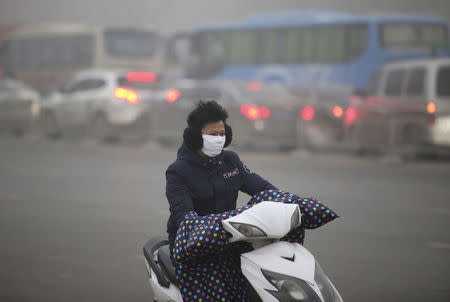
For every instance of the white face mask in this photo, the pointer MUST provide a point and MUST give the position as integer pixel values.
(212, 144)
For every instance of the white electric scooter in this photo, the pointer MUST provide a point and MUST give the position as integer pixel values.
(277, 270)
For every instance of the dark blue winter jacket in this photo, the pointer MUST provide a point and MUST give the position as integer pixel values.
(207, 185)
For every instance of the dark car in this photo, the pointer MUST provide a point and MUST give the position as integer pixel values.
(320, 112)
(261, 114)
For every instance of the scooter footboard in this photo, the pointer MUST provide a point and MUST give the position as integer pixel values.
(149, 249)
(164, 290)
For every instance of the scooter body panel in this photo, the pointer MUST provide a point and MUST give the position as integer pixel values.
(290, 259)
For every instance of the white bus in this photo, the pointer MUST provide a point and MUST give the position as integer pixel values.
(46, 55)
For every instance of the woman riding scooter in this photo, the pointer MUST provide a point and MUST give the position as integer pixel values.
(205, 179)
(202, 189)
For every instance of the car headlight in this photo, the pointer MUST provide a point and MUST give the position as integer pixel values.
(248, 230)
(326, 288)
(290, 289)
(295, 219)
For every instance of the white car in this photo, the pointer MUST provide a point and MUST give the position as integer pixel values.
(104, 103)
(408, 102)
(19, 106)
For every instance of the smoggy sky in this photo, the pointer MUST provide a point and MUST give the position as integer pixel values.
(170, 15)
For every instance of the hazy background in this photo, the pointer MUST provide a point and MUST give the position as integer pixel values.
(75, 212)
(170, 15)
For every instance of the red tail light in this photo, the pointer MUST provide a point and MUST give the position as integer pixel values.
(337, 112)
(350, 116)
(253, 112)
(307, 113)
(172, 95)
(136, 76)
(126, 94)
(265, 112)
(254, 86)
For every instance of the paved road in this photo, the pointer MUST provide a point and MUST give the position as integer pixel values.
(73, 219)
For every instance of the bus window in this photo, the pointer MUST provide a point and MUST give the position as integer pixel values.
(306, 45)
(22, 54)
(356, 40)
(242, 47)
(292, 45)
(44, 53)
(394, 82)
(325, 43)
(434, 35)
(270, 46)
(130, 43)
(406, 35)
(4, 57)
(300, 46)
(178, 48)
(215, 47)
(415, 85)
(330, 44)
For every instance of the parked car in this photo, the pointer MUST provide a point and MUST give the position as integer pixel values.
(103, 103)
(406, 104)
(261, 114)
(320, 111)
(19, 106)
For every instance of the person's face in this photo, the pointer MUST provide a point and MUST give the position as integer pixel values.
(217, 129)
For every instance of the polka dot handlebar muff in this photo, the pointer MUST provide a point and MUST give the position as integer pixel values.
(208, 266)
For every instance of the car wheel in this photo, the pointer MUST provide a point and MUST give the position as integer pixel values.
(101, 128)
(51, 128)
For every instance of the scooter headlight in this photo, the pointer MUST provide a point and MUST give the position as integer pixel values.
(248, 230)
(325, 286)
(290, 289)
(295, 219)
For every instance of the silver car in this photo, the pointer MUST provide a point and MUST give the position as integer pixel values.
(103, 103)
(19, 106)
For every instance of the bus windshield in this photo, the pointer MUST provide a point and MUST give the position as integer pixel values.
(403, 35)
(130, 43)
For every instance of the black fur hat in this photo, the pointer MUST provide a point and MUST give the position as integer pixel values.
(204, 113)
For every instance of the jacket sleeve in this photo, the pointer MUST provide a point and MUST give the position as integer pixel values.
(178, 195)
(252, 183)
